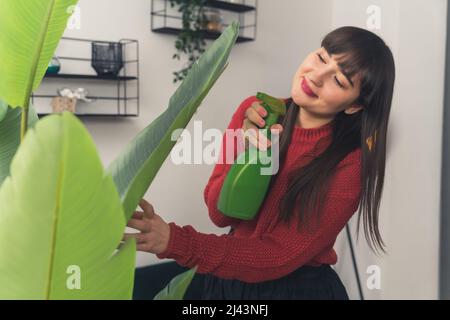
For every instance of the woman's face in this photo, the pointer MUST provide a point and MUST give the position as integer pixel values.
(320, 87)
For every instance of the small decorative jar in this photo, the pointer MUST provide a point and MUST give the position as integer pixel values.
(213, 20)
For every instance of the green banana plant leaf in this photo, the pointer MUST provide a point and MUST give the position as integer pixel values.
(177, 287)
(134, 169)
(30, 32)
(10, 135)
(3, 110)
(62, 220)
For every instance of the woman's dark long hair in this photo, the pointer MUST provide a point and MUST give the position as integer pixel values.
(366, 54)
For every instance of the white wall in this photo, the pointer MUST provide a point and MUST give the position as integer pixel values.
(287, 31)
(415, 30)
(284, 38)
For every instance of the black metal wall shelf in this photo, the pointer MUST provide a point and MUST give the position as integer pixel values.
(206, 34)
(231, 6)
(89, 77)
(93, 115)
(165, 21)
(90, 97)
(119, 87)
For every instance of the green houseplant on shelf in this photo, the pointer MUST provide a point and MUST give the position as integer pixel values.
(62, 215)
(190, 40)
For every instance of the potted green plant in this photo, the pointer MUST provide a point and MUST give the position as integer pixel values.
(62, 215)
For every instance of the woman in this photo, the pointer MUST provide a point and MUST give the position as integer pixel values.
(332, 161)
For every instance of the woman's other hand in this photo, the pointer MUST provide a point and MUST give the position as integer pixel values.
(154, 231)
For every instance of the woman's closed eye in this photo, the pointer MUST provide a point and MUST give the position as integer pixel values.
(335, 78)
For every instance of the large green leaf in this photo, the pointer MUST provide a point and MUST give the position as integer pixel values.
(177, 287)
(134, 170)
(30, 32)
(10, 135)
(59, 211)
(3, 110)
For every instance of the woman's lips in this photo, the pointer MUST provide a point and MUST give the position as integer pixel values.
(307, 89)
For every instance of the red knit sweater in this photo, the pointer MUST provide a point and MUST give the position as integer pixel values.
(264, 249)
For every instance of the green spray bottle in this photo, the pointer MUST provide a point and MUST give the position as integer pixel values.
(245, 187)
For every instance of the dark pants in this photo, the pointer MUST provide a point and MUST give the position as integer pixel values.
(305, 283)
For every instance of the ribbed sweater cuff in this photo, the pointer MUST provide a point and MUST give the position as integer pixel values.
(179, 244)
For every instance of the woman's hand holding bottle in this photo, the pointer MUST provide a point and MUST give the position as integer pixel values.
(253, 122)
